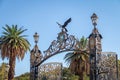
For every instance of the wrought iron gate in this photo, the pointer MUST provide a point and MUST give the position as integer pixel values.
(104, 65)
(107, 68)
(64, 43)
(50, 71)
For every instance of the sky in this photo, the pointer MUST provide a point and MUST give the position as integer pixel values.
(41, 16)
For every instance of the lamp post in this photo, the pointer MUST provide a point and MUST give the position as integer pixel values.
(36, 38)
(94, 51)
(94, 19)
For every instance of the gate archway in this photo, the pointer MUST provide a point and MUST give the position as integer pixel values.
(63, 43)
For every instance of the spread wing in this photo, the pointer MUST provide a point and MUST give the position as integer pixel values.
(59, 24)
(66, 23)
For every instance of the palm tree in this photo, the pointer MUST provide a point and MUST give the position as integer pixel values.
(13, 45)
(78, 60)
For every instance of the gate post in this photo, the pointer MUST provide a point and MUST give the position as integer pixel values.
(95, 48)
(35, 58)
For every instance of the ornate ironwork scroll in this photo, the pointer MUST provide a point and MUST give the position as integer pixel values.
(50, 71)
(63, 43)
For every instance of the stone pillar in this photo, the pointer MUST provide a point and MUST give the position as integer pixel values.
(95, 51)
(35, 58)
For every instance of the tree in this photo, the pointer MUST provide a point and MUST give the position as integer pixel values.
(13, 45)
(78, 60)
(25, 76)
(67, 75)
(3, 71)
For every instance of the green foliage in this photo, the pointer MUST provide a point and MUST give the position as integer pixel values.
(79, 60)
(86, 77)
(13, 42)
(25, 76)
(3, 73)
(67, 75)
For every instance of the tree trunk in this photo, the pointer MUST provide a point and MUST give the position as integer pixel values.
(81, 76)
(12, 67)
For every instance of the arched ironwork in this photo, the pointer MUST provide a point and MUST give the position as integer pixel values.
(63, 43)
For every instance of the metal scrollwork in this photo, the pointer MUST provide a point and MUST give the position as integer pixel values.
(50, 71)
(107, 69)
(63, 43)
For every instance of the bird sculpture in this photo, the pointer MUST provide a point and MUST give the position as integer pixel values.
(65, 24)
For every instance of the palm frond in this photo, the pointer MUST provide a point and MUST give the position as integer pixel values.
(77, 59)
(13, 38)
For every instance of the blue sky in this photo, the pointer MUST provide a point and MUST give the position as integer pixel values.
(41, 16)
